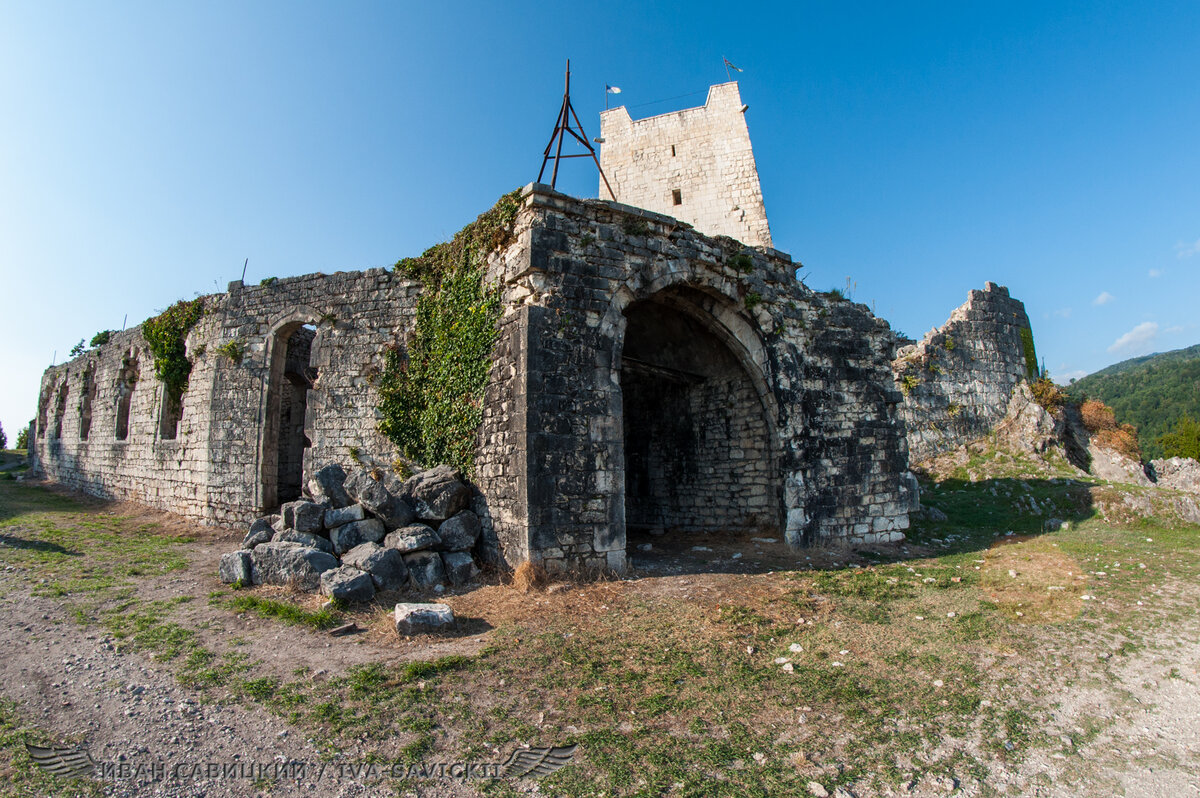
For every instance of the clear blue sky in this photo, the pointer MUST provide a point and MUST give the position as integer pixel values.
(147, 149)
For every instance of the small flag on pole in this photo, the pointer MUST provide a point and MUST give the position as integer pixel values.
(729, 65)
(613, 89)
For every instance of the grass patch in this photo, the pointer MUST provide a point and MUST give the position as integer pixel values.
(284, 611)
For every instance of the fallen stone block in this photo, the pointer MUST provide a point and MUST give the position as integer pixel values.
(425, 568)
(437, 494)
(367, 491)
(336, 516)
(413, 619)
(348, 584)
(460, 532)
(356, 533)
(386, 566)
(308, 517)
(460, 567)
(414, 537)
(304, 539)
(289, 563)
(235, 567)
(328, 485)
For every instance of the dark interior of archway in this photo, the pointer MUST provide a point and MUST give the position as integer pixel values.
(298, 377)
(696, 439)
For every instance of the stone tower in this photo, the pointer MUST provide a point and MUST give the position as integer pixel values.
(696, 165)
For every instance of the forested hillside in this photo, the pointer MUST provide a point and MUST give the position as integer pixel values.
(1150, 392)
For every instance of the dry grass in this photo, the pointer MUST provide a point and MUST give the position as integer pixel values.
(1097, 415)
(530, 576)
(1033, 582)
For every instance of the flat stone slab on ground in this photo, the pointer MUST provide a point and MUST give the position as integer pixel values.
(414, 619)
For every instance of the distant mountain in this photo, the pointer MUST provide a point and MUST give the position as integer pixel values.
(1150, 392)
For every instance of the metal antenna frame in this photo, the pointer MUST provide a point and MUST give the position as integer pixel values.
(563, 126)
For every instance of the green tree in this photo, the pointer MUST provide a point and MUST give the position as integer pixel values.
(3, 438)
(1183, 440)
(23, 439)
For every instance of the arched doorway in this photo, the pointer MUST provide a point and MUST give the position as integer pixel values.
(284, 438)
(697, 430)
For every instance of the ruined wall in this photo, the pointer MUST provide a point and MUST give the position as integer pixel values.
(696, 165)
(958, 379)
(222, 464)
(832, 452)
(754, 402)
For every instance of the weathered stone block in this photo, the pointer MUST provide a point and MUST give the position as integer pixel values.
(289, 563)
(413, 619)
(414, 537)
(336, 516)
(425, 568)
(438, 493)
(355, 533)
(459, 567)
(308, 516)
(235, 567)
(460, 532)
(304, 539)
(348, 584)
(367, 491)
(328, 485)
(386, 566)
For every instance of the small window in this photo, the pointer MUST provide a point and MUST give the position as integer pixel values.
(676, 196)
(672, 150)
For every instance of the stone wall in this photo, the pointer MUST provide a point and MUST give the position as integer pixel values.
(238, 418)
(644, 374)
(696, 165)
(790, 417)
(958, 379)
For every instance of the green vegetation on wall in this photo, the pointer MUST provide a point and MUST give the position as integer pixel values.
(1031, 364)
(166, 334)
(1152, 393)
(431, 397)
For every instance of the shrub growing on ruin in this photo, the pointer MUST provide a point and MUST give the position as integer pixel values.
(1047, 394)
(166, 334)
(431, 397)
(1123, 439)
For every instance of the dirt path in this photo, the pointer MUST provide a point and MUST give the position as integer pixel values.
(132, 713)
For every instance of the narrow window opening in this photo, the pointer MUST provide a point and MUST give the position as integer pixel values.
(43, 409)
(60, 410)
(172, 413)
(125, 385)
(672, 150)
(85, 407)
(676, 196)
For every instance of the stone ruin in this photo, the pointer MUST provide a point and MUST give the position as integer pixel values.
(646, 376)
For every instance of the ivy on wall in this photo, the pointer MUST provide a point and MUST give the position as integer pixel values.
(431, 397)
(166, 333)
(1031, 364)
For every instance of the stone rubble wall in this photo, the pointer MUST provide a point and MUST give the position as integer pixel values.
(703, 153)
(957, 380)
(213, 469)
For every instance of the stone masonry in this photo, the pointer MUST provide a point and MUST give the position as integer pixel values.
(958, 379)
(696, 165)
(244, 424)
(645, 376)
